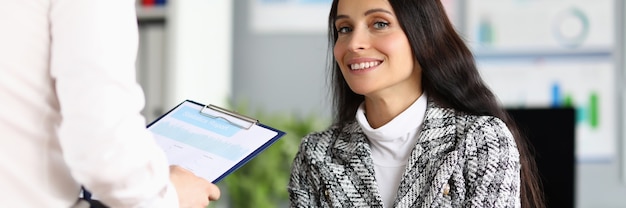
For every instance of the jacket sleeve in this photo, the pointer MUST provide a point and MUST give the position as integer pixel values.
(493, 165)
(300, 188)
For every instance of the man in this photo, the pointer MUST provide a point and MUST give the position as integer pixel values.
(70, 111)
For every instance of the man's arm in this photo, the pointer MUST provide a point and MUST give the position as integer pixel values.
(103, 135)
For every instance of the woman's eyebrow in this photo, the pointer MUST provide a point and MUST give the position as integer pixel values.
(368, 12)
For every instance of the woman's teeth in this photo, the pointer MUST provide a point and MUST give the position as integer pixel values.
(364, 65)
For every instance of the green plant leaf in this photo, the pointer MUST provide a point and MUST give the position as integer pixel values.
(262, 182)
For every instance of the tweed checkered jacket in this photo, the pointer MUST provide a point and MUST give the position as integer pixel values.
(459, 161)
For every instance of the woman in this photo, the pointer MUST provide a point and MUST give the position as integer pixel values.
(415, 126)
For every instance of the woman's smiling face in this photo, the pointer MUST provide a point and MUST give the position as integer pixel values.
(372, 50)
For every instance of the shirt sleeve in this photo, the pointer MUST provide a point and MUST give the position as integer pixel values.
(494, 165)
(301, 193)
(103, 136)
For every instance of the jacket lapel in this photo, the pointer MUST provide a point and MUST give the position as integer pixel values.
(437, 134)
(353, 152)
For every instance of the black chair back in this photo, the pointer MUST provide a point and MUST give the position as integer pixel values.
(551, 132)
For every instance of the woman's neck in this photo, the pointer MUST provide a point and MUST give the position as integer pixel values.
(380, 110)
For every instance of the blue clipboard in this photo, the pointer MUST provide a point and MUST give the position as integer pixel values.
(221, 138)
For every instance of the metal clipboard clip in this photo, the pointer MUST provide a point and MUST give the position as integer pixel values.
(231, 117)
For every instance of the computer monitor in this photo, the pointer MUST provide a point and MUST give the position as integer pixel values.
(551, 132)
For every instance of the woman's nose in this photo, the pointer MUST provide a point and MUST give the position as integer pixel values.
(359, 40)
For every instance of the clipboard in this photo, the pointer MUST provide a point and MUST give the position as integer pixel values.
(210, 141)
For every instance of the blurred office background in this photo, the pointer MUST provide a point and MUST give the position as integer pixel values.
(268, 58)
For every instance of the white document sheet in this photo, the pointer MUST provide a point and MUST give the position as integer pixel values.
(211, 143)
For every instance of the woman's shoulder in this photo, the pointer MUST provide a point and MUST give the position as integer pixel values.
(322, 140)
(487, 132)
(482, 124)
(473, 122)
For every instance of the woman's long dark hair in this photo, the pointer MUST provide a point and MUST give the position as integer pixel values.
(449, 77)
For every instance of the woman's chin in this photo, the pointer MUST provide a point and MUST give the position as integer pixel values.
(361, 91)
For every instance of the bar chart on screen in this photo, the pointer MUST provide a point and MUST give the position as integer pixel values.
(587, 113)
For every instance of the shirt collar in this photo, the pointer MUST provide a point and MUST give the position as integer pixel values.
(407, 121)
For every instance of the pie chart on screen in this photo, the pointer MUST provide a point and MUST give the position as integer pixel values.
(571, 27)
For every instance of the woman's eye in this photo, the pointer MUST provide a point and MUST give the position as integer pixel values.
(344, 30)
(381, 25)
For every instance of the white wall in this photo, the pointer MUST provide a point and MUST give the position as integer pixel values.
(199, 54)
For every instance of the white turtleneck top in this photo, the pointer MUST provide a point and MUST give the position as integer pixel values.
(392, 144)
